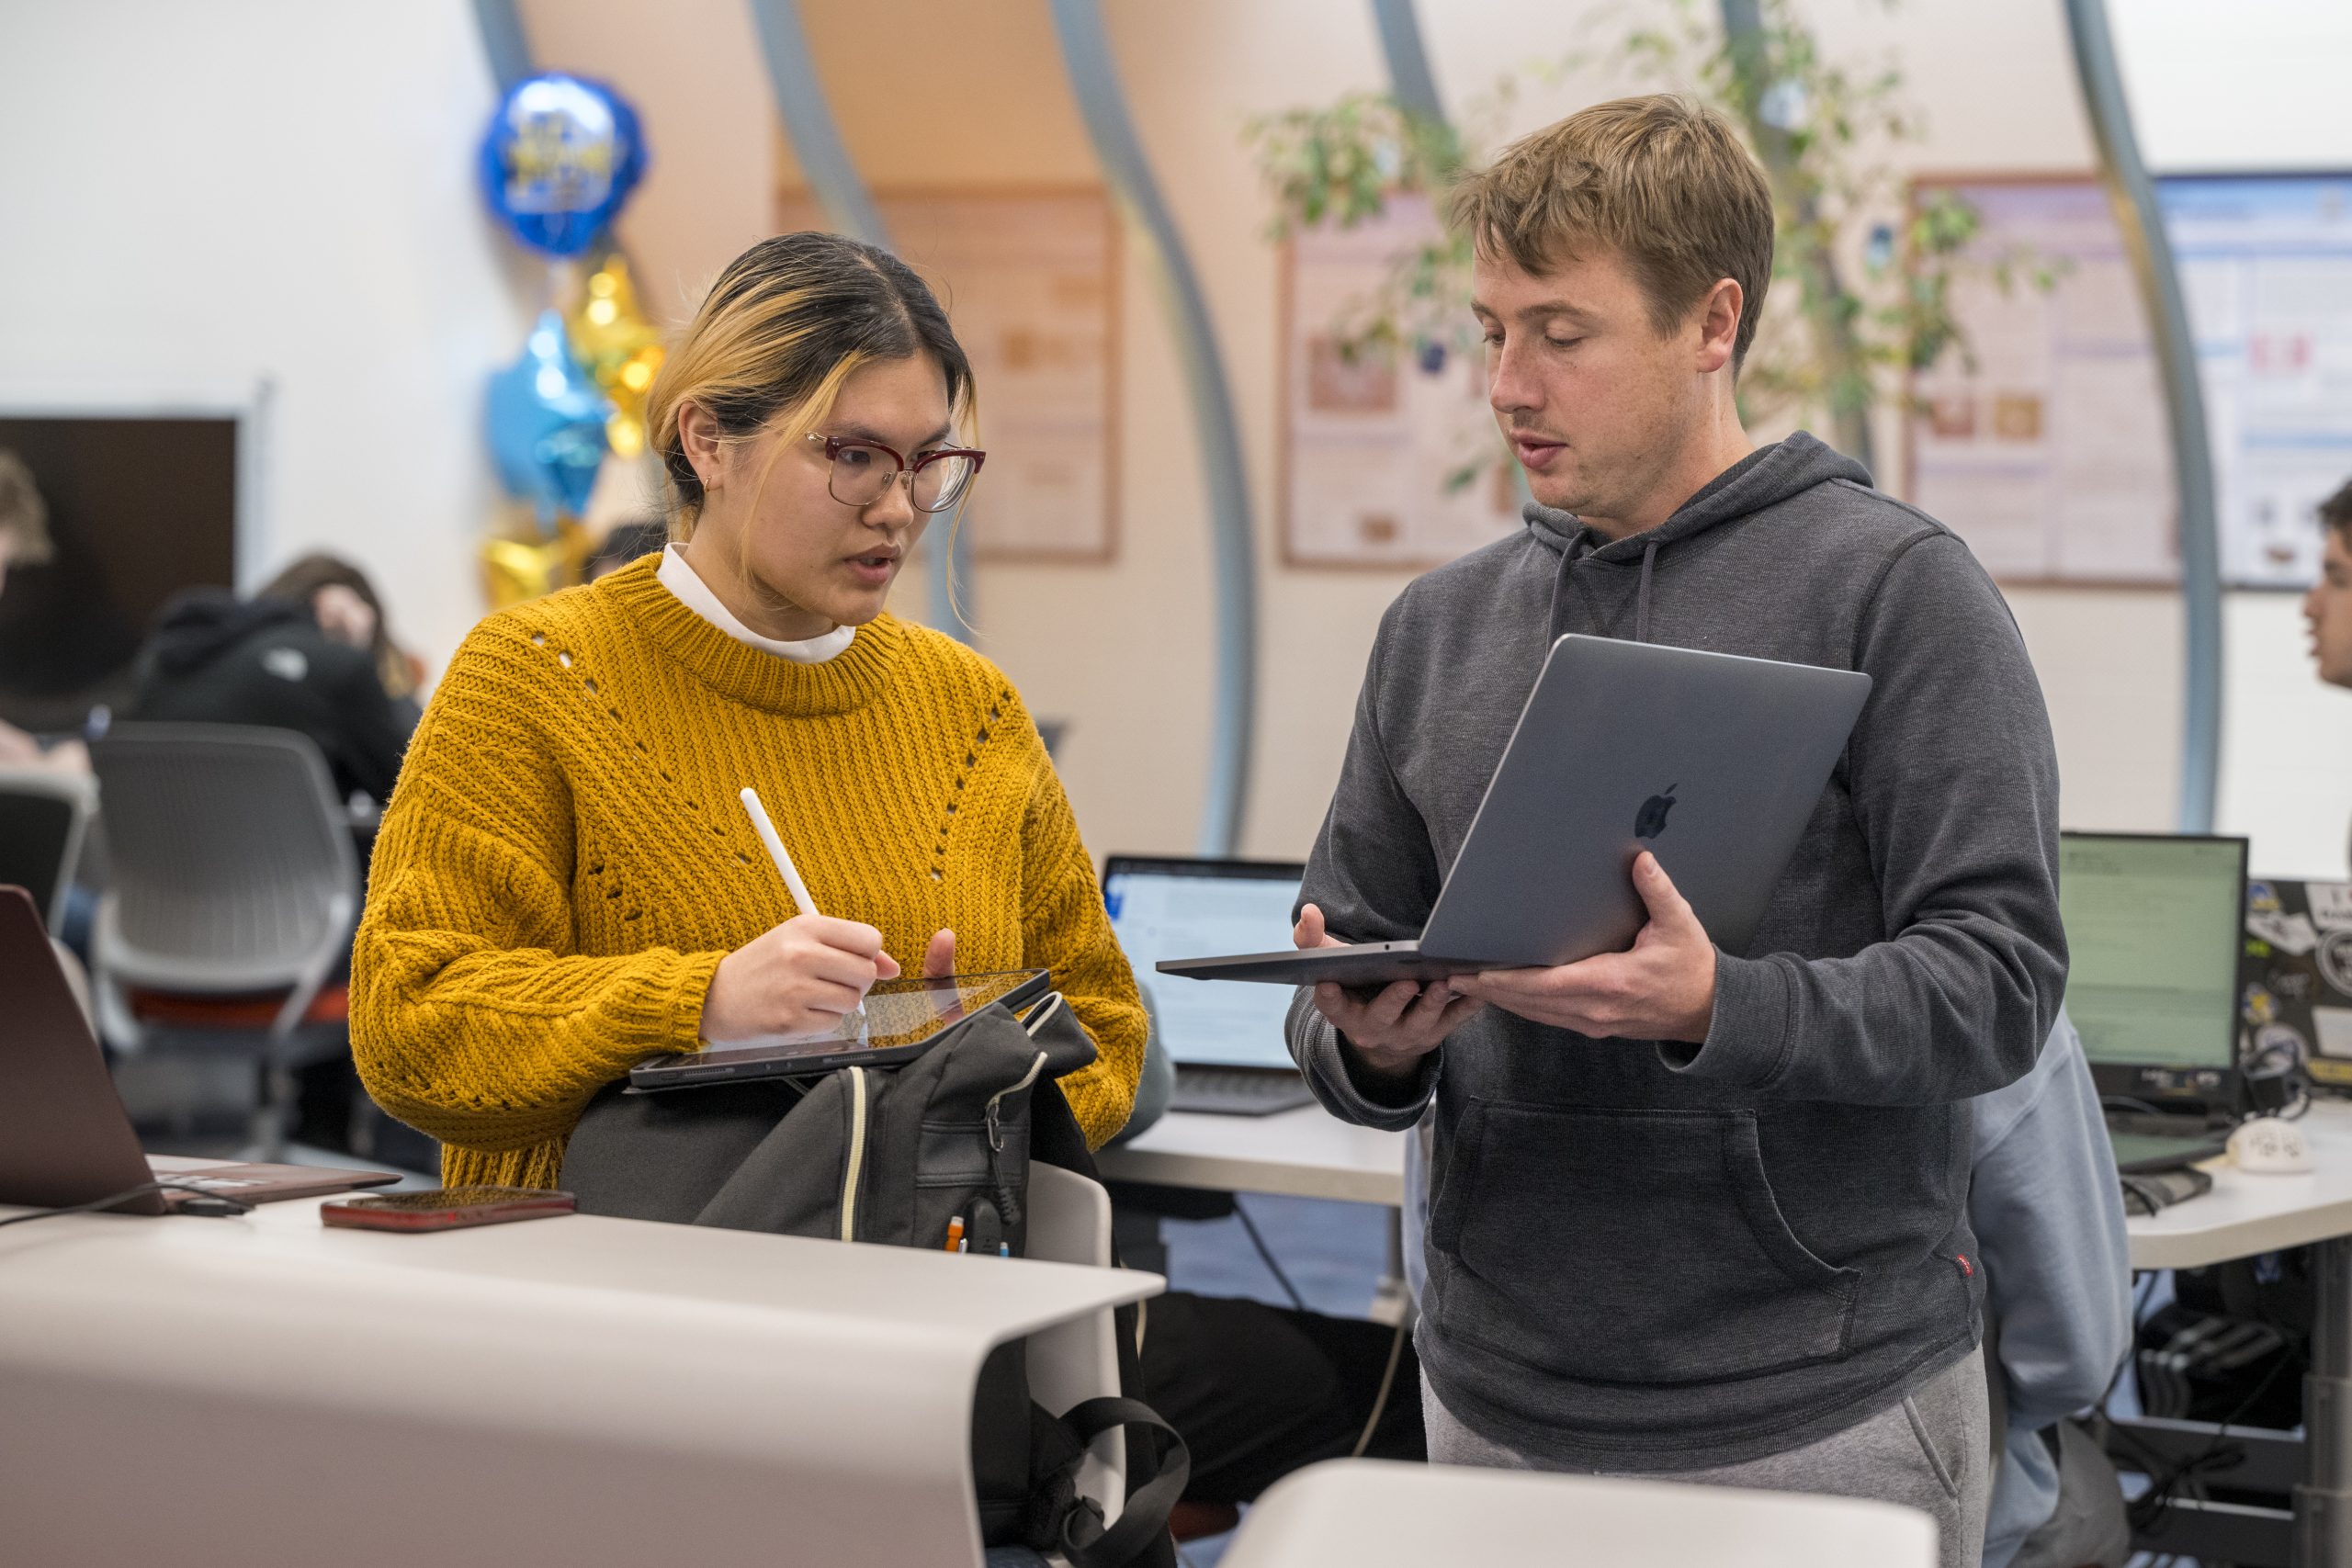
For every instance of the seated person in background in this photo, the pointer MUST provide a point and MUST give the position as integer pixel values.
(567, 884)
(2048, 1212)
(349, 610)
(2328, 608)
(306, 653)
(625, 544)
(24, 541)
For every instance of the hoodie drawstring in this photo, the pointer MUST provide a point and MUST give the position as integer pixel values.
(1642, 594)
(1559, 586)
(1569, 555)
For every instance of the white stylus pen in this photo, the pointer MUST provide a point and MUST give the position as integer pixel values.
(776, 853)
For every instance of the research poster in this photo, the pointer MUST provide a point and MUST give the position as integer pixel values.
(2044, 445)
(1030, 279)
(2265, 264)
(1389, 461)
(2051, 452)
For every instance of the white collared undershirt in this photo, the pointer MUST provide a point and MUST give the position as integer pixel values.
(691, 590)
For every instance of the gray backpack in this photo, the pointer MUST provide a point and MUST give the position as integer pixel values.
(894, 1154)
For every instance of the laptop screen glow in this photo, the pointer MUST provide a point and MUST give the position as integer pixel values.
(1181, 909)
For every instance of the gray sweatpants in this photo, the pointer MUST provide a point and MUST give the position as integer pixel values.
(1932, 1451)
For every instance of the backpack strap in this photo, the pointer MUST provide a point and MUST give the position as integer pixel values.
(1139, 1535)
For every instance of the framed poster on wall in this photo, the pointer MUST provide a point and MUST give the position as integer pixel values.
(2266, 266)
(1029, 276)
(2051, 454)
(1388, 461)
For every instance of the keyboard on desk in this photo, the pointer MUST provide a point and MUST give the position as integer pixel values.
(1238, 1092)
(2148, 1143)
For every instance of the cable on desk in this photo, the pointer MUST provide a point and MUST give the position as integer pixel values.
(206, 1203)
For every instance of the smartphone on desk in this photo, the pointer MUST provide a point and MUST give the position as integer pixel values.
(446, 1208)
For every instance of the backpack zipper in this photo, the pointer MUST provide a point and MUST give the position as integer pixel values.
(857, 1151)
(994, 1113)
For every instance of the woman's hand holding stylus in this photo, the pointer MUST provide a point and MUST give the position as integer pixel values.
(797, 978)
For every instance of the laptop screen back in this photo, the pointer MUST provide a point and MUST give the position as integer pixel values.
(1176, 908)
(2153, 933)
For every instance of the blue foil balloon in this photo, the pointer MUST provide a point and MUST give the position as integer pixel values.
(561, 156)
(546, 425)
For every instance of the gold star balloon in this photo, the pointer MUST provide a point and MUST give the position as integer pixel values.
(619, 348)
(517, 564)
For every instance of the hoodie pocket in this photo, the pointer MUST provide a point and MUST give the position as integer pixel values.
(1629, 1247)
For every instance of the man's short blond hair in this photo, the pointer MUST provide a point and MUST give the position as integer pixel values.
(1663, 180)
(24, 519)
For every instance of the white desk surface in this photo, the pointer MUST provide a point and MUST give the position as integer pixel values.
(1372, 1513)
(582, 1391)
(2245, 1213)
(1309, 1153)
(1305, 1152)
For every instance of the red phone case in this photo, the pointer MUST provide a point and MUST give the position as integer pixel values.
(375, 1214)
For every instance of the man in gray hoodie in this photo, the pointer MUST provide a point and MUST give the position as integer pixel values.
(1697, 1213)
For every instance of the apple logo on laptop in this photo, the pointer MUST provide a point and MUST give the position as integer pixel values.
(1651, 822)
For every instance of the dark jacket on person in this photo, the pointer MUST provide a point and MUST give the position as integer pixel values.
(1658, 1257)
(215, 658)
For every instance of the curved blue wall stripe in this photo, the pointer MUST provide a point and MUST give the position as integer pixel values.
(2141, 221)
(1094, 82)
(808, 117)
(503, 42)
(1409, 76)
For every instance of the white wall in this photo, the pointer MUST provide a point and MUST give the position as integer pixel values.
(202, 197)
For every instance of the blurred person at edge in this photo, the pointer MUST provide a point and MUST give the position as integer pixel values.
(2328, 608)
(24, 541)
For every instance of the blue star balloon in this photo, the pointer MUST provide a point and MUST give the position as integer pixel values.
(546, 425)
(561, 156)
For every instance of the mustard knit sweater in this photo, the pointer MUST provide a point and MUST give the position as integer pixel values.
(565, 860)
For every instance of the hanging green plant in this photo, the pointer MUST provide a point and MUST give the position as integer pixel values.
(1826, 132)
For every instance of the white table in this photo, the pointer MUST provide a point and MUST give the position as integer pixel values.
(1371, 1514)
(580, 1390)
(1305, 1152)
(2244, 1215)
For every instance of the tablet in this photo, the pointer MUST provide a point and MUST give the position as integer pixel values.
(901, 1021)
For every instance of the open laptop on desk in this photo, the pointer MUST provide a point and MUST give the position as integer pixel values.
(2296, 978)
(1226, 1040)
(64, 1137)
(2152, 925)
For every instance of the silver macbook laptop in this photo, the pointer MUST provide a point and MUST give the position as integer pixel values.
(1711, 761)
(1226, 1040)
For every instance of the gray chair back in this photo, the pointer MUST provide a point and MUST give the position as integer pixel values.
(233, 865)
(43, 818)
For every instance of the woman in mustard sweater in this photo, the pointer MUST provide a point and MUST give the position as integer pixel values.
(565, 883)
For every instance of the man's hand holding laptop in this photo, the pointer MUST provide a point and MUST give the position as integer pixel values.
(1661, 988)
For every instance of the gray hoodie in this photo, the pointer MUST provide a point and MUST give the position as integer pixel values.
(1648, 1256)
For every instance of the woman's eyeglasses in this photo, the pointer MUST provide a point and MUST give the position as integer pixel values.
(859, 471)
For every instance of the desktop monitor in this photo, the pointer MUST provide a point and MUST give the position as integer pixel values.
(2152, 925)
(1178, 908)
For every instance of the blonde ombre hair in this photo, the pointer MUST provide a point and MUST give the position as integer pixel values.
(787, 323)
(1663, 180)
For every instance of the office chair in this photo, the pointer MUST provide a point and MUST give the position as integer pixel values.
(43, 818)
(234, 887)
